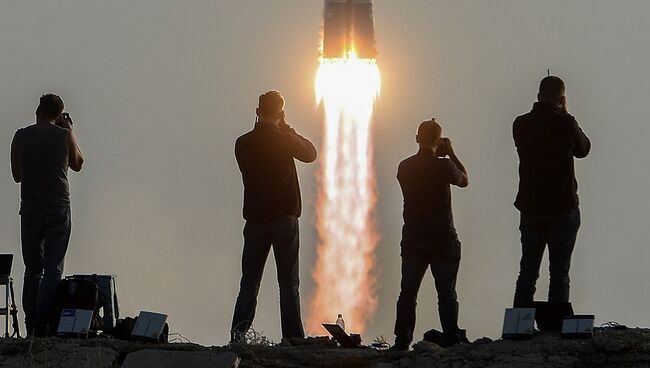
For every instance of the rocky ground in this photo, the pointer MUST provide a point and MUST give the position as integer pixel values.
(610, 348)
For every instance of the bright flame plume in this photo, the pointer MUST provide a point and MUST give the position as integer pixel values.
(344, 273)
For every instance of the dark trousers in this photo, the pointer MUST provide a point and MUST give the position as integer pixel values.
(283, 236)
(445, 270)
(559, 232)
(45, 235)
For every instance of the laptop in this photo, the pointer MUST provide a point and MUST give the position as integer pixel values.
(341, 336)
(549, 316)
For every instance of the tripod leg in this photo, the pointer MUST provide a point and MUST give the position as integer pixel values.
(14, 312)
(7, 310)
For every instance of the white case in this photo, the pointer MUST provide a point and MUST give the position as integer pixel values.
(518, 322)
(75, 321)
(149, 325)
(578, 326)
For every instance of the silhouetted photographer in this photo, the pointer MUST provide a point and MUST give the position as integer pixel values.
(40, 157)
(272, 206)
(547, 140)
(429, 238)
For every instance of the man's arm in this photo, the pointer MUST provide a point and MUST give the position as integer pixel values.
(581, 145)
(458, 176)
(515, 132)
(300, 147)
(463, 179)
(15, 167)
(75, 158)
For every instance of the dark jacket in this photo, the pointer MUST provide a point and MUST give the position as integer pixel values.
(265, 157)
(547, 140)
(425, 180)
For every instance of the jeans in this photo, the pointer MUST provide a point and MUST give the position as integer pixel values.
(559, 232)
(45, 235)
(283, 236)
(445, 271)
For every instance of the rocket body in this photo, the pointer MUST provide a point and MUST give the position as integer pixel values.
(348, 25)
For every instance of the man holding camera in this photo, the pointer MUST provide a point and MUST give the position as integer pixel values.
(40, 157)
(429, 238)
(547, 140)
(272, 206)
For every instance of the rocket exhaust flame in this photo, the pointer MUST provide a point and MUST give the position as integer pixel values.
(344, 275)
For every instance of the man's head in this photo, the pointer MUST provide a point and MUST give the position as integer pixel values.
(270, 106)
(49, 107)
(551, 90)
(429, 133)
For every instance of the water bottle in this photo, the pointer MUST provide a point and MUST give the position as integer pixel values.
(340, 322)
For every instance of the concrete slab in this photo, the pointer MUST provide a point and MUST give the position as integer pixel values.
(180, 359)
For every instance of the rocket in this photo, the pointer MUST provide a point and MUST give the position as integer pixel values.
(347, 25)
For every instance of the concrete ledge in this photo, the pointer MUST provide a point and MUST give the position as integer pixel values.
(180, 359)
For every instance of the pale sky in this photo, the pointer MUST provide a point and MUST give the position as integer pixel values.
(159, 91)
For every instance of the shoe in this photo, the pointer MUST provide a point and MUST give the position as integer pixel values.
(458, 337)
(446, 339)
(399, 347)
(41, 331)
(29, 330)
(237, 338)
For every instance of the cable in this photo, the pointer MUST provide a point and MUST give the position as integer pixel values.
(613, 325)
(182, 339)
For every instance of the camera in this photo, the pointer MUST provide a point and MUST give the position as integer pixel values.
(443, 147)
(66, 116)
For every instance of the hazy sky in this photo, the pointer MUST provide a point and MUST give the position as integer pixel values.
(161, 89)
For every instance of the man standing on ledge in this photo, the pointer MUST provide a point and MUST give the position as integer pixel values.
(429, 238)
(272, 205)
(547, 140)
(40, 157)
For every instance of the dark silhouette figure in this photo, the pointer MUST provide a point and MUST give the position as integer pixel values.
(272, 206)
(429, 238)
(547, 140)
(40, 157)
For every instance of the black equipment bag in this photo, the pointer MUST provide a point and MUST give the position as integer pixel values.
(76, 294)
(550, 315)
(123, 328)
